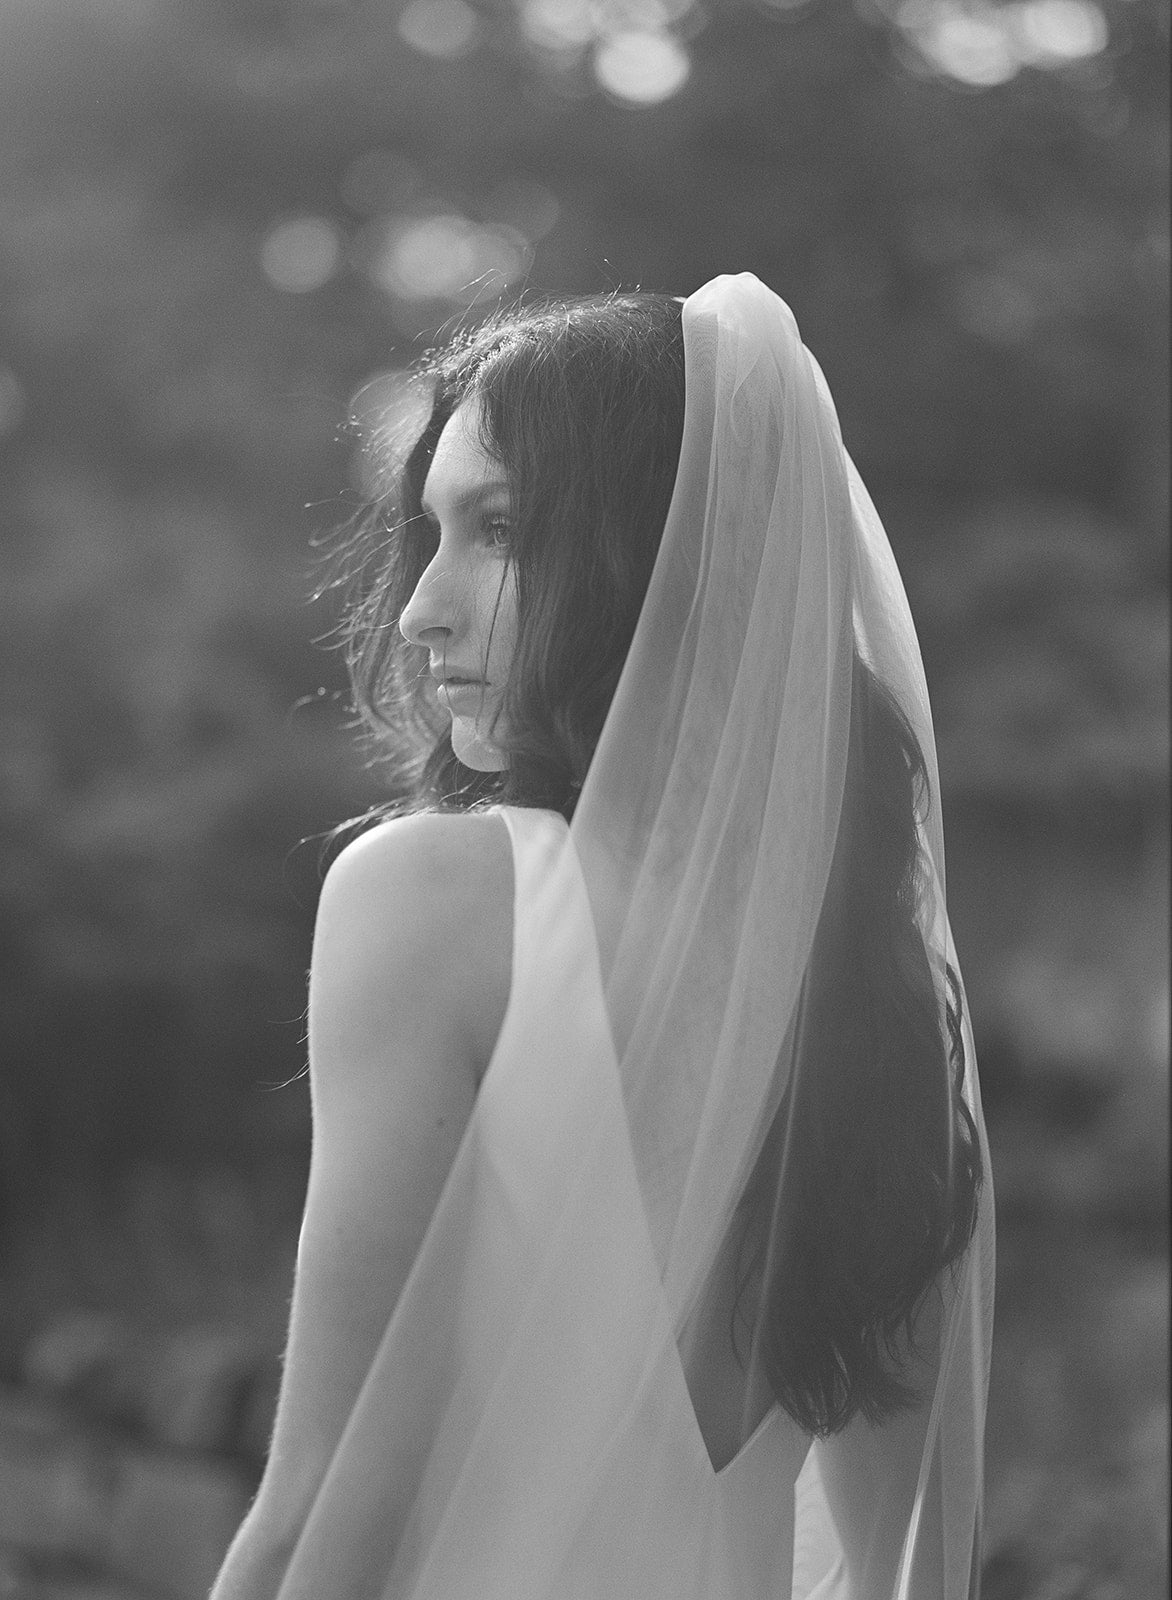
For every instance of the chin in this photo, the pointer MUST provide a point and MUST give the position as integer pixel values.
(475, 749)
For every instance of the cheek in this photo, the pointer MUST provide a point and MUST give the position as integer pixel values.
(503, 602)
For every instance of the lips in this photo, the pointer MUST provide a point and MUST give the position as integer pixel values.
(452, 690)
(455, 680)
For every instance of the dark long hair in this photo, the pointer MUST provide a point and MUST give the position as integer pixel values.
(879, 1187)
(583, 403)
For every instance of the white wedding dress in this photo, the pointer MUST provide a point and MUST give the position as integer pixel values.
(594, 1382)
(559, 1456)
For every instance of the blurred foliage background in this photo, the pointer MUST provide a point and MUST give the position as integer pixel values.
(225, 227)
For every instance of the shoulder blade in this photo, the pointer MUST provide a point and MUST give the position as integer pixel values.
(414, 933)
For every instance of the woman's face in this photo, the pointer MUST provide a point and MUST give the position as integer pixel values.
(464, 608)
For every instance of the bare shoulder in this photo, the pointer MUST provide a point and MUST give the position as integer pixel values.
(414, 930)
(431, 854)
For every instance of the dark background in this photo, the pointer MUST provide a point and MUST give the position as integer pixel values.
(224, 226)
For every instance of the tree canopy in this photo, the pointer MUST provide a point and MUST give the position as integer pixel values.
(226, 224)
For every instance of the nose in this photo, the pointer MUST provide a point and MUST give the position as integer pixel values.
(429, 617)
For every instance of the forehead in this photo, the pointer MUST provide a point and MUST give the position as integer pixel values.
(461, 464)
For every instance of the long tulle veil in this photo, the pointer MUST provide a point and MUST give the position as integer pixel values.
(532, 1367)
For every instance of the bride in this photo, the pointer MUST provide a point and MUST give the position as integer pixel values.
(647, 1252)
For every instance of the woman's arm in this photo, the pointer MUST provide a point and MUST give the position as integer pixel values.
(408, 986)
(870, 1475)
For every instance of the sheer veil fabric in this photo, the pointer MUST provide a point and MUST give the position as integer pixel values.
(527, 1431)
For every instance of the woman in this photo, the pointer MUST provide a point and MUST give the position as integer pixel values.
(646, 1252)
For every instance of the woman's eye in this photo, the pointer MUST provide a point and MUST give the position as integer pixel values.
(498, 531)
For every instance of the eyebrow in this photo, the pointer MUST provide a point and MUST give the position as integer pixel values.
(469, 498)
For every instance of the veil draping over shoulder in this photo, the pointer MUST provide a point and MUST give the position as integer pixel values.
(526, 1431)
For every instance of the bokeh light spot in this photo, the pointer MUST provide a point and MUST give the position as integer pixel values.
(558, 25)
(1052, 32)
(448, 257)
(441, 28)
(431, 256)
(972, 46)
(983, 44)
(301, 254)
(642, 68)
